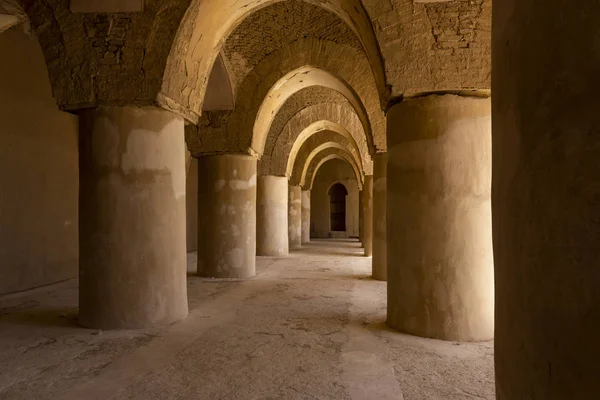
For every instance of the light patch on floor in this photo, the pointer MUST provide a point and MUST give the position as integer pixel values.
(308, 326)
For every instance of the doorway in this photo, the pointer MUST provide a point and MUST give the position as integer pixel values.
(337, 207)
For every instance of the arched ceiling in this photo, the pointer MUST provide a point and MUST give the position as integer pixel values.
(314, 150)
(291, 83)
(321, 158)
(278, 151)
(276, 26)
(328, 161)
(208, 23)
(163, 54)
(300, 100)
(316, 134)
(304, 63)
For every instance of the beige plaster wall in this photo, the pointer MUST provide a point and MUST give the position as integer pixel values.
(331, 172)
(38, 172)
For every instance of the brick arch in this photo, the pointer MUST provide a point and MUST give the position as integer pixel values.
(207, 24)
(305, 165)
(291, 83)
(322, 132)
(341, 63)
(321, 159)
(309, 97)
(276, 155)
(318, 142)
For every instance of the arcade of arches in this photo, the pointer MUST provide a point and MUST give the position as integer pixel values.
(251, 199)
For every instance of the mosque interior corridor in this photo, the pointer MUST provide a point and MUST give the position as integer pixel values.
(299, 199)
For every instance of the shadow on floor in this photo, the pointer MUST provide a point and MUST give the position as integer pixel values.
(42, 317)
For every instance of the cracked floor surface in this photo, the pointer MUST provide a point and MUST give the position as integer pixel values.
(309, 326)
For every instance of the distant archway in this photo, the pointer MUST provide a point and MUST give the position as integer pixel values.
(337, 207)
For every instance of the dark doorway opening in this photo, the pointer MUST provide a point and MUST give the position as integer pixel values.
(337, 207)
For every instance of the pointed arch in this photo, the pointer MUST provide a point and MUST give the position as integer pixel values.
(277, 154)
(322, 160)
(205, 27)
(320, 126)
(303, 173)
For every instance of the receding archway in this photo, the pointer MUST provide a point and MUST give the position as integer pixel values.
(207, 24)
(291, 83)
(337, 207)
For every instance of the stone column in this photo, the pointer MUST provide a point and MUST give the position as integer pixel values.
(227, 216)
(440, 266)
(272, 216)
(367, 193)
(546, 199)
(132, 235)
(361, 216)
(305, 202)
(295, 217)
(192, 205)
(379, 217)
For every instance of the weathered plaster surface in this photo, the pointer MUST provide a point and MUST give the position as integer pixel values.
(295, 216)
(305, 203)
(440, 257)
(380, 217)
(367, 203)
(272, 216)
(227, 221)
(132, 207)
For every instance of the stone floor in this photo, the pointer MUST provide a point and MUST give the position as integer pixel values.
(309, 326)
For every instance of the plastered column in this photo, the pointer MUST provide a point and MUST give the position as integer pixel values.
(295, 216)
(379, 217)
(132, 234)
(367, 193)
(546, 191)
(272, 216)
(305, 202)
(440, 266)
(227, 216)
(361, 216)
